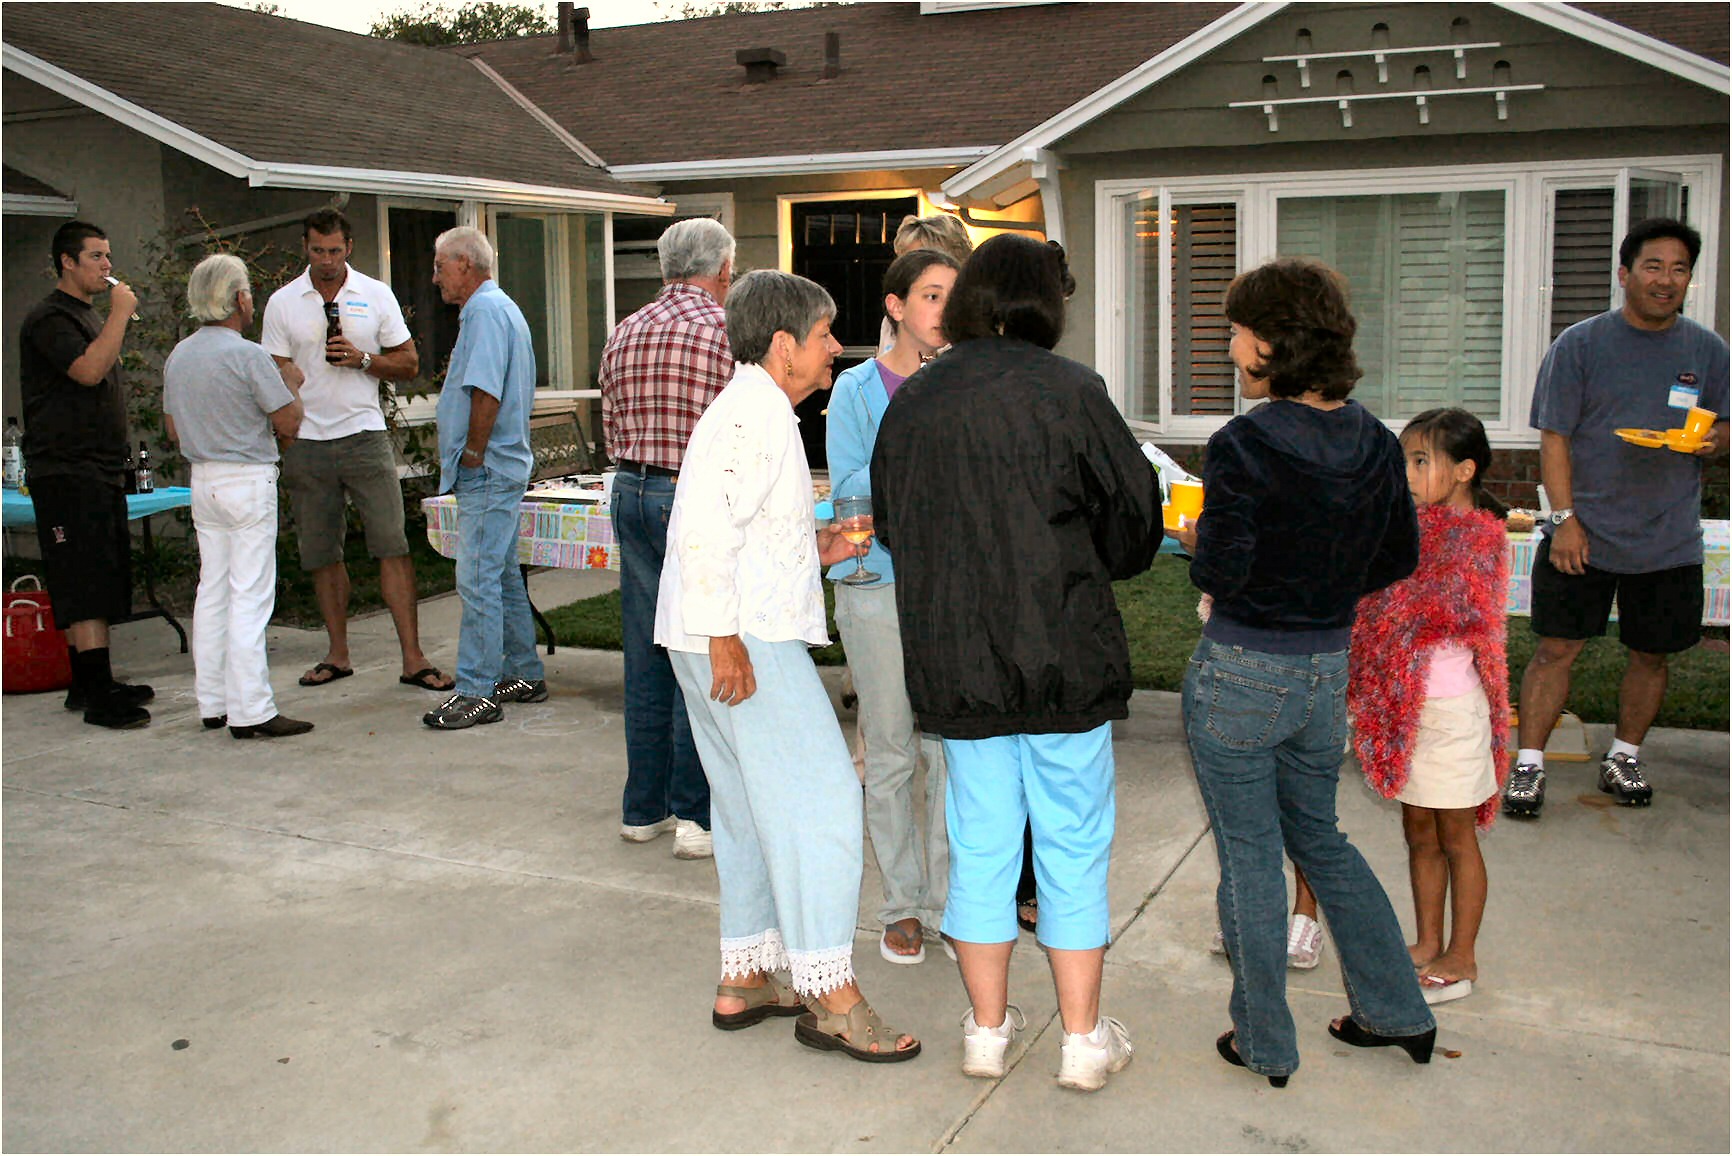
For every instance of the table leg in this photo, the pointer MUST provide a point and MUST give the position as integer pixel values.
(546, 627)
(150, 585)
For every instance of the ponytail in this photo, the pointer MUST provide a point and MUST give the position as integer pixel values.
(1460, 435)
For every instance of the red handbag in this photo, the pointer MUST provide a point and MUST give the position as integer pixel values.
(35, 657)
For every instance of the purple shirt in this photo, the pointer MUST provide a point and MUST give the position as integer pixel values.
(891, 380)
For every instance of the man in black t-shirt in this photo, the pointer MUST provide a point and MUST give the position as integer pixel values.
(75, 440)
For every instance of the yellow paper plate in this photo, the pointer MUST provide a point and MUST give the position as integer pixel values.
(1650, 438)
(1682, 442)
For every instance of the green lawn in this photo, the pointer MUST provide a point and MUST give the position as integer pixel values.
(1160, 613)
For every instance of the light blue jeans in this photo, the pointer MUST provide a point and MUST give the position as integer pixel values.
(915, 877)
(496, 639)
(1266, 733)
(1061, 786)
(785, 813)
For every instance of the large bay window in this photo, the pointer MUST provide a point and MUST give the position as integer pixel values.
(1459, 278)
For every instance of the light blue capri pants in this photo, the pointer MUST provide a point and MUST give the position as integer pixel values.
(785, 813)
(1062, 786)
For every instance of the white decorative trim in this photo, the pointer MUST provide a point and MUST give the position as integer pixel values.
(588, 154)
(27, 205)
(801, 163)
(817, 973)
(751, 954)
(1560, 17)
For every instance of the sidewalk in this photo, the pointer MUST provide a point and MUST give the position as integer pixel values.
(382, 937)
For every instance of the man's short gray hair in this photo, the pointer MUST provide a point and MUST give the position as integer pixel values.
(214, 284)
(765, 302)
(695, 248)
(468, 242)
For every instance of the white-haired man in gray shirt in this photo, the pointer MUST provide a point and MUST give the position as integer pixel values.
(227, 404)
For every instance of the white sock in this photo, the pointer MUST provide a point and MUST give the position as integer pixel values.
(1529, 755)
(1620, 747)
(1096, 1037)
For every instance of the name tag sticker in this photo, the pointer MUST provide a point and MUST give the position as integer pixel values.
(355, 309)
(1684, 392)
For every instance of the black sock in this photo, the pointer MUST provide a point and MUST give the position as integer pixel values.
(91, 670)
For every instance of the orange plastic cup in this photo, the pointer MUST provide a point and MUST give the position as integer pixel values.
(1186, 502)
(1697, 423)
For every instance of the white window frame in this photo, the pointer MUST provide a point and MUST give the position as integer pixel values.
(1528, 195)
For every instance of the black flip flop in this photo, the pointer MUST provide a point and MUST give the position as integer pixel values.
(336, 673)
(426, 678)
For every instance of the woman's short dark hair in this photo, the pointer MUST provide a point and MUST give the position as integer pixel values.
(1655, 229)
(1012, 286)
(1461, 437)
(767, 301)
(1300, 309)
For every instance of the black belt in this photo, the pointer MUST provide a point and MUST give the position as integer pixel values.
(646, 469)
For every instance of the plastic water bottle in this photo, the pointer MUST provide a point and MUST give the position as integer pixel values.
(14, 445)
(146, 476)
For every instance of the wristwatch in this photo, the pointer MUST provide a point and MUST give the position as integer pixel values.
(1559, 517)
(366, 362)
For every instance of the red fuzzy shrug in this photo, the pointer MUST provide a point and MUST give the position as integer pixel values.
(1458, 593)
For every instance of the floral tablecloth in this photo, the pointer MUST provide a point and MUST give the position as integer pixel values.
(567, 534)
(1716, 573)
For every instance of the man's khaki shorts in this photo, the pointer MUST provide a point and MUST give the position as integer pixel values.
(318, 475)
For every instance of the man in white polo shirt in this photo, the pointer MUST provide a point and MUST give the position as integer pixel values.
(344, 451)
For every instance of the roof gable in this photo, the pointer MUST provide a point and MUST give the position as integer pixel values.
(269, 93)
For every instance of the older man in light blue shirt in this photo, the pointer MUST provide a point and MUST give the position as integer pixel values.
(485, 461)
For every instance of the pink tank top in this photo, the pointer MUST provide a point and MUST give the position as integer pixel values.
(1451, 673)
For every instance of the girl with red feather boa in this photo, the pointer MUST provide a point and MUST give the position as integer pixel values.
(1429, 690)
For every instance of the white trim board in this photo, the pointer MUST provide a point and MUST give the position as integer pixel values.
(1561, 17)
(795, 164)
(26, 205)
(264, 174)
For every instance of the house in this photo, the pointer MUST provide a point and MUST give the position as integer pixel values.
(128, 114)
(1469, 166)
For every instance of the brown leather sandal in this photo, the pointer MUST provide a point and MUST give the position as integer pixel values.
(773, 998)
(864, 1027)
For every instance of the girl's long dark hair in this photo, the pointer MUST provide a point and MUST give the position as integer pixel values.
(1460, 435)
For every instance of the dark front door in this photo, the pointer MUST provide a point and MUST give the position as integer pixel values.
(846, 246)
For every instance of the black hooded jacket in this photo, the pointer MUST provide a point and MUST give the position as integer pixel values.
(1305, 512)
(1012, 495)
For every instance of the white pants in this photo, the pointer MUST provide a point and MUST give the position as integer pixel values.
(234, 510)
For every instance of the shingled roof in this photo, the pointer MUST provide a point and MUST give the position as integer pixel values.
(1698, 28)
(672, 92)
(284, 92)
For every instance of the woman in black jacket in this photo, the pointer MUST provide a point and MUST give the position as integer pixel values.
(1013, 495)
(1306, 510)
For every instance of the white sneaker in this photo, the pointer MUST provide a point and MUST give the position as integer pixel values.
(647, 832)
(1084, 1064)
(983, 1049)
(692, 841)
(1304, 943)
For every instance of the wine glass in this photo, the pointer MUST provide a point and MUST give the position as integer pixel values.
(854, 519)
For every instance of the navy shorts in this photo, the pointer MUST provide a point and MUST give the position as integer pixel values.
(1659, 612)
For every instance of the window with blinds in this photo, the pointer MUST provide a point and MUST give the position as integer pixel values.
(1582, 256)
(1202, 260)
(1426, 273)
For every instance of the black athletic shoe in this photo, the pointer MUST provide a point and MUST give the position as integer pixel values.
(131, 693)
(1621, 777)
(115, 713)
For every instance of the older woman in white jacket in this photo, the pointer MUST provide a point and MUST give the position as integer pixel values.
(739, 604)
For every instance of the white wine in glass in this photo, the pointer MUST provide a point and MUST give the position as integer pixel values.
(854, 520)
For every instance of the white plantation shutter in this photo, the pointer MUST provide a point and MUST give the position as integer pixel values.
(1426, 273)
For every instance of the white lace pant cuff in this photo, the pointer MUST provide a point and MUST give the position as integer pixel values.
(813, 972)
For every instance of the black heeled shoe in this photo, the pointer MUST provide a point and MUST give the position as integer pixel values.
(1417, 1047)
(1224, 1045)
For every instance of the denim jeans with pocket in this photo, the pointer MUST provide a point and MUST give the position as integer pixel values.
(496, 639)
(1266, 733)
(663, 775)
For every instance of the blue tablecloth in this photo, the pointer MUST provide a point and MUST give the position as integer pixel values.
(19, 512)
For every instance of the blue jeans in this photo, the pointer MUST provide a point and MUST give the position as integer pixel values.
(496, 640)
(1266, 734)
(788, 841)
(663, 775)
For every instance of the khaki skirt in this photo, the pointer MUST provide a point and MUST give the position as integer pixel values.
(1452, 765)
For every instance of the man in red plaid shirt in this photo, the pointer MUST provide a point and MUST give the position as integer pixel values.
(662, 367)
